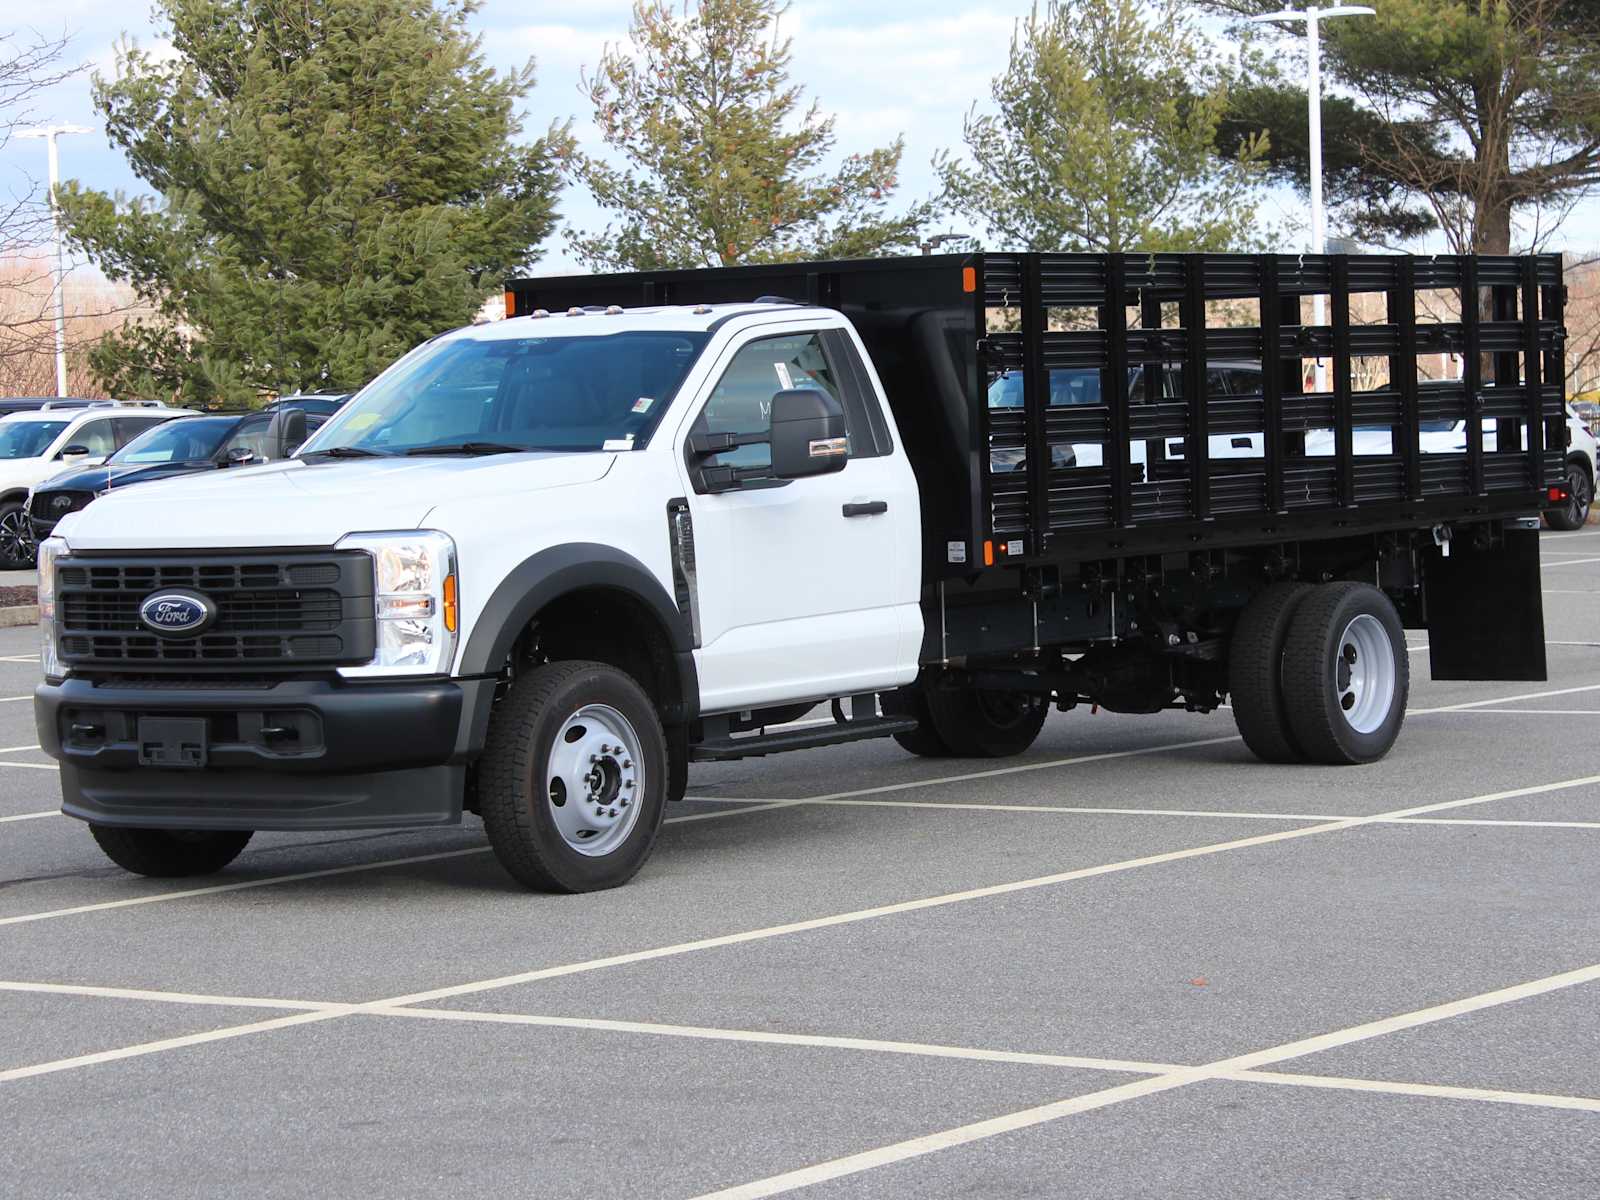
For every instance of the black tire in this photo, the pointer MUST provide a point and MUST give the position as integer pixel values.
(1580, 495)
(170, 853)
(1255, 673)
(924, 740)
(17, 550)
(516, 799)
(1335, 717)
(974, 723)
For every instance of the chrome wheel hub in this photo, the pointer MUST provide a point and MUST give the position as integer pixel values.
(595, 780)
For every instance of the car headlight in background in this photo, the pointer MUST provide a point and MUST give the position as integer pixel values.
(49, 653)
(415, 602)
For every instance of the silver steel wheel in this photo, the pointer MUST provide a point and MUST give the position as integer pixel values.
(595, 780)
(1364, 675)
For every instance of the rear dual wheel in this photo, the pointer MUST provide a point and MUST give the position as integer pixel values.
(1342, 676)
(968, 722)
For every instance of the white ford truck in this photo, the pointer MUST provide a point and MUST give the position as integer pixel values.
(538, 567)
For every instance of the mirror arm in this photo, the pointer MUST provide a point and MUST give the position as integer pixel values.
(702, 444)
(727, 479)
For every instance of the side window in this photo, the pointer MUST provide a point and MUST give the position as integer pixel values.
(862, 408)
(1242, 382)
(95, 436)
(741, 402)
(128, 428)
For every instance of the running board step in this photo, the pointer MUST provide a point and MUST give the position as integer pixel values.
(728, 749)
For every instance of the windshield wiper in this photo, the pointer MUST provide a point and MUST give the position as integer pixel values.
(346, 452)
(468, 448)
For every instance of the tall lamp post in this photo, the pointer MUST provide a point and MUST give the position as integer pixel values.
(50, 133)
(1313, 17)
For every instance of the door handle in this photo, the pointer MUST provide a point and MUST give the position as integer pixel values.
(869, 508)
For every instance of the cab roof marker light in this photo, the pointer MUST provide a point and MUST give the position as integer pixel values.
(539, 312)
(614, 310)
(700, 310)
(574, 311)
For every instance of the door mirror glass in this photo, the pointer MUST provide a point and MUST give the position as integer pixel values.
(75, 451)
(240, 455)
(808, 434)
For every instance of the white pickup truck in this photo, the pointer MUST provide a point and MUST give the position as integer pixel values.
(539, 566)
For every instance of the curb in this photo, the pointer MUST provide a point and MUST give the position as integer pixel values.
(21, 614)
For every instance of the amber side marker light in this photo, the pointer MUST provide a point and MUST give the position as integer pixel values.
(988, 553)
(969, 279)
(450, 599)
(511, 303)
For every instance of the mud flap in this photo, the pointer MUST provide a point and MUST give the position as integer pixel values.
(1485, 611)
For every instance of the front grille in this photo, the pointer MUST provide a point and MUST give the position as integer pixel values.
(274, 612)
(44, 506)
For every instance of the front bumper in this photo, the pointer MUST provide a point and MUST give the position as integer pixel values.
(295, 754)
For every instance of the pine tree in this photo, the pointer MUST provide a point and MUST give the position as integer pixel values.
(1444, 114)
(1103, 137)
(338, 179)
(723, 162)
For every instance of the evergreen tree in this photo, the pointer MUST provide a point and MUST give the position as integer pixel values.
(1103, 137)
(724, 164)
(1460, 116)
(339, 180)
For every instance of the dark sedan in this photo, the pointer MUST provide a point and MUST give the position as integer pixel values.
(182, 446)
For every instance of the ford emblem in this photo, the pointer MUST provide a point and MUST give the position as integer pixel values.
(177, 613)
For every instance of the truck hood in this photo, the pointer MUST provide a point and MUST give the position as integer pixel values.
(298, 503)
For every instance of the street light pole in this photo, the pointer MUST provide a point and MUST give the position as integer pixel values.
(50, 133)
(1313, 18)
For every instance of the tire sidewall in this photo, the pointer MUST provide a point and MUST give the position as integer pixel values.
(583, 872)
(1365, 747)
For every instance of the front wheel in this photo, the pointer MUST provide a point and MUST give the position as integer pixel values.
(1580, 495)
(17, 550)
(1346, 674)
(170, 853)
(573, 782)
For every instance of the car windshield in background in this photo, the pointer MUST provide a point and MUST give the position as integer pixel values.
(477, 396)
(189, 439)
(27, 439)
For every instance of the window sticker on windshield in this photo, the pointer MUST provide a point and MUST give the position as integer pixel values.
(643, 403)
(621, 443)
(784, 379)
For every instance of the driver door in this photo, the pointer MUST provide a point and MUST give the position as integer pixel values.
(806, 588)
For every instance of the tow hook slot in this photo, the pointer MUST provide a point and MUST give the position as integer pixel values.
(172, 742)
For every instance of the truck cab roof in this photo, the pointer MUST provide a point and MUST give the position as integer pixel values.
(595, 321)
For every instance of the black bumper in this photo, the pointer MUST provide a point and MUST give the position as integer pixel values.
(297, 754)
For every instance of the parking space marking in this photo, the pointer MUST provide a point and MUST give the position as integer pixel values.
(1423, 712)
(298, 876)
(116, 993)
(1027, 1118)
(11, 699)
(175, 1043)
(11, 762)
(33, 816)
(769, 1038)
(1442, 1091)
(17, 749)
(833, 921)
(1571, 562)
(1532, 712)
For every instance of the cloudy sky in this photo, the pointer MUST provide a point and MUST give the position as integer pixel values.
(910, 67)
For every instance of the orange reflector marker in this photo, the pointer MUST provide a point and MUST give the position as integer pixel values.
(450, 597)
(988, 553)
(511, 303)
(969, 279)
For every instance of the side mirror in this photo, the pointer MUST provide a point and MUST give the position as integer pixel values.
(808, 434)
(75, 451)
(241, 455)
(286, 431)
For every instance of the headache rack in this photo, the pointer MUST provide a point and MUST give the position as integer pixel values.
(1086, 406)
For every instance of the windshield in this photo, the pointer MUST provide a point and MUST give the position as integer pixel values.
(186, 440)
(555, 393)
(27, 439)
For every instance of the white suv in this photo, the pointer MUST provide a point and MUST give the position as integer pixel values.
(34, 445)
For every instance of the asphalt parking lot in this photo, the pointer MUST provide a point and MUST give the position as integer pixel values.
(1134, 962)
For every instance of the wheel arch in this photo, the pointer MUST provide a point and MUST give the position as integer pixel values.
(576, 588)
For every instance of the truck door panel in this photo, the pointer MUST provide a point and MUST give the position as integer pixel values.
(797, 599)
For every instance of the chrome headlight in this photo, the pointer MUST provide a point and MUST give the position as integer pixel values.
(414, 601)
(49, 653)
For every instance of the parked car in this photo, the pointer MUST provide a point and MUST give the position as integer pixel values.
(183, 446)
(11, 404)
(314, 404)
(32, 444)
